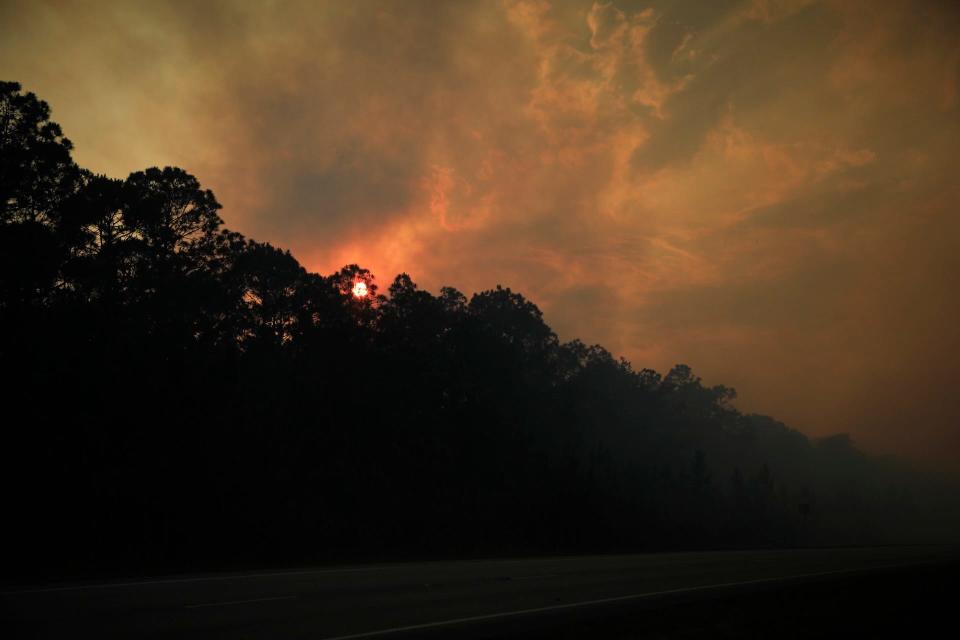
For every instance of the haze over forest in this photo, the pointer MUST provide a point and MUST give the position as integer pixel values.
(182, 397)
(331, 281)
(764, 189)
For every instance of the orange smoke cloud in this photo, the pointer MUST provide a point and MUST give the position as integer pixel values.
(772, 184)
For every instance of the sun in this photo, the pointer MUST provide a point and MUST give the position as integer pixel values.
(360, 290)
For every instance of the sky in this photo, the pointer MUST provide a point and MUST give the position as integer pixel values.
(766, 190)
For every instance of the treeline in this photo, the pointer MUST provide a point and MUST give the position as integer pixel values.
(178, 396)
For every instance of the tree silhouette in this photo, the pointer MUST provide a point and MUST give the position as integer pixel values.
(178, 396)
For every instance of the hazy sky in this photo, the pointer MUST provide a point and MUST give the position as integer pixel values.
(766, 190)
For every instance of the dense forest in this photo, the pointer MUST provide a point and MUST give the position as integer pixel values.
(178, 396)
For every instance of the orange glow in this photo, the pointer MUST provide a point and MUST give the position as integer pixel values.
(609, 140)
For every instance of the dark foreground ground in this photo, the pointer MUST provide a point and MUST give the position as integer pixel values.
(916, 602)
(862, 592)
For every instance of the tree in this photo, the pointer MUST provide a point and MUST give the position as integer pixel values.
(36, 171)
(269, 283)
(168, 212)
(37, 175)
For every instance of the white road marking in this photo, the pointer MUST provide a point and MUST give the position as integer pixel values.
(586, 603)
(230, 602)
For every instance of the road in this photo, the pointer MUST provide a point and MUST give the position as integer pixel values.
(414, 599)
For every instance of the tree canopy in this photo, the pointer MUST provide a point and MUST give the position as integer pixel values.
(177, 395)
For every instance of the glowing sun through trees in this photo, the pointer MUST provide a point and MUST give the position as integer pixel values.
(360, 290)
(757, 223)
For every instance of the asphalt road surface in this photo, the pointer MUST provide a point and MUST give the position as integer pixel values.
(488, 598)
